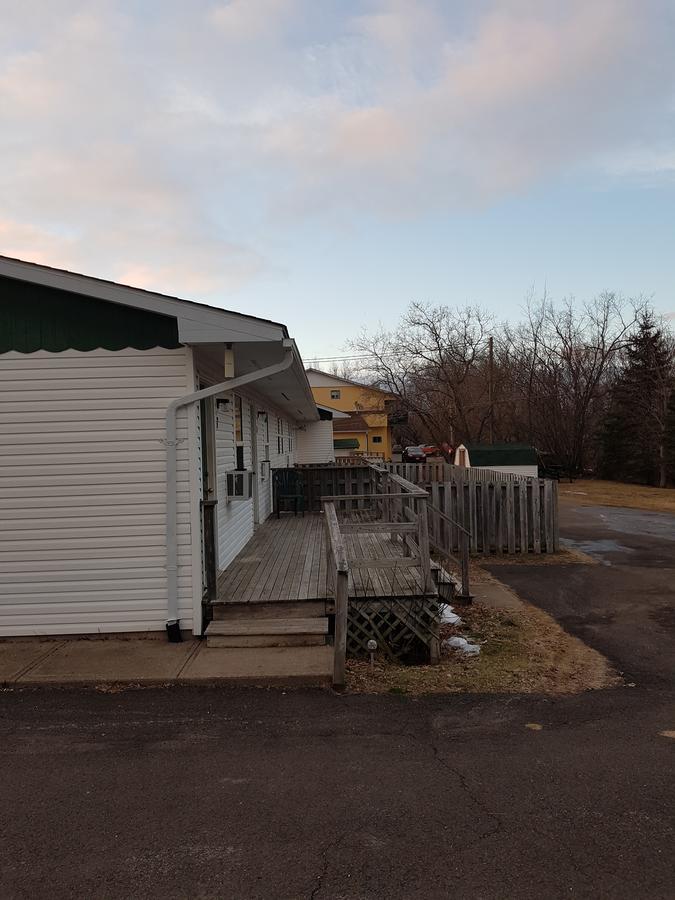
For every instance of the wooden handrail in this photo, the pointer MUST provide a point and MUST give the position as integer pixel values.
(337, 554)
(414, 489)
(337, 543)
(447, 518)
(464, 536)
(334, 498)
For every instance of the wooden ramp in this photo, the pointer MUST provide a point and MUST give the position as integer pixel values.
(285, 561)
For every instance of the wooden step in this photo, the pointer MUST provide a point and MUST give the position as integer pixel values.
(301, 609)
(257, 626)
(265, 640)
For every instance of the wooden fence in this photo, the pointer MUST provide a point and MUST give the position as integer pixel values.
(424, 473)
(330, 481)
(502, 517)
(503, 513)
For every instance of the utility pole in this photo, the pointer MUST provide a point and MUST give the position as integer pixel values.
(491, 363)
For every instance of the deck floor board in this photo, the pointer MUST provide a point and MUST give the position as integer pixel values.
(285, 561)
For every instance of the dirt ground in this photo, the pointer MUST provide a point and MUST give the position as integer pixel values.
(614, 493)
(522, 650)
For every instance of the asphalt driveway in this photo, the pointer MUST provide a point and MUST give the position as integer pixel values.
(245, 793)
(625, 605)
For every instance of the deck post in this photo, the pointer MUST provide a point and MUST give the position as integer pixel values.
(464, 565)
(341, 607)
(423, 542)
(337, 561)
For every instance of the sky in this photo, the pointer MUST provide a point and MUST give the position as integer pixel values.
(325, 162)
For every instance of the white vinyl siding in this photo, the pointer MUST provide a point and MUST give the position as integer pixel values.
(315, 443)
(264, 462)
(235, 518)
(83, 491)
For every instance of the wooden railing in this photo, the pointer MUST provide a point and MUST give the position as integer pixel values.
(336, 481)
(403, 501)
(393, 507)
(338, 573)
(445, 535)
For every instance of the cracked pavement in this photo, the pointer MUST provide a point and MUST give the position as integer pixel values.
(249, 793)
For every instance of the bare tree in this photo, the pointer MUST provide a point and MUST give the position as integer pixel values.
(564, 367)
(546, 384)
(435, 363)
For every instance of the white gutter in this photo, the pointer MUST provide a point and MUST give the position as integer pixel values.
(171, 445)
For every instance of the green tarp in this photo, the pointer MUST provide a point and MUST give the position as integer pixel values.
(501, 455)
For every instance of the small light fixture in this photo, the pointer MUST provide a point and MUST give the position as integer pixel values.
(372, 647)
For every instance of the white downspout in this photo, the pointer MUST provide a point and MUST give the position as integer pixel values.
(171, 446)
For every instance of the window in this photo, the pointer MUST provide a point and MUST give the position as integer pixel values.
(335, 395)
(377, 439)
(238, 433)
(280, 436)
(239, 486)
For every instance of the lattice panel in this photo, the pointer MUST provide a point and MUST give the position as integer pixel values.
(404, 628)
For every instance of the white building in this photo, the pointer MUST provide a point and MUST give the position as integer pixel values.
(511, 459)
(111, 463)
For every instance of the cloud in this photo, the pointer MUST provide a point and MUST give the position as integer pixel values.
(175, 145)
(26, 241)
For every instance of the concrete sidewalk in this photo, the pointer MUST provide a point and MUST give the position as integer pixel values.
(153, 661)
(149, 661)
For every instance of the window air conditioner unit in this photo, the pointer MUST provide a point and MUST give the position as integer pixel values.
(239, 485)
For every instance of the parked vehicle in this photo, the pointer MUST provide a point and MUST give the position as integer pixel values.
(414, 454)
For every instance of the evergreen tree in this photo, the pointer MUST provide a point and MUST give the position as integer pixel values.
(634, 433)
(669, 442)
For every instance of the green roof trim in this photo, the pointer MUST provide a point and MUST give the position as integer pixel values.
(502, 455)
(33, 317)
(345, 444)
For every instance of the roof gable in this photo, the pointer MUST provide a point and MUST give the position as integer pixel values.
(352, 423)
(197, 322)
(346, 382)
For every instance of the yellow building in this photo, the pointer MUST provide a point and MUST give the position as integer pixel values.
(367, 431)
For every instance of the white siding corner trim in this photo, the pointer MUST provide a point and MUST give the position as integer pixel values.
(83, 491)
(315, 443)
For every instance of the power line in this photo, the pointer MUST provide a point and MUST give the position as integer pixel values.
(348, 358)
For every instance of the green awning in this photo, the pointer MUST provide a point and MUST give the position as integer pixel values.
(33, 317)
(346, 444)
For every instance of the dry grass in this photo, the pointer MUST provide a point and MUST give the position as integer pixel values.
(566, 556)
(521, 651)
(614, 493)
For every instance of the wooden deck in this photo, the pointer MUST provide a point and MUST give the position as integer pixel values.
(286, 561)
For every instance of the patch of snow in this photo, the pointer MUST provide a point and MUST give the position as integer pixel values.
(461, 645)
(449, 617)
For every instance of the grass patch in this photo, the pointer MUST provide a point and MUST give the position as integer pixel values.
(522, 650)
(615, 493)
(566, 556)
